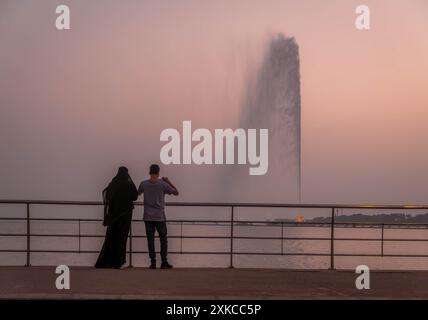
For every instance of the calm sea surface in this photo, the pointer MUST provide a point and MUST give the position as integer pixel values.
(369, 245)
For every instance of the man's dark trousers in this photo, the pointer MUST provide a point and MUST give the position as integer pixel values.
(151, 227)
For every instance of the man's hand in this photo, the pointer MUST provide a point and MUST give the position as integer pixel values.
(165, 179)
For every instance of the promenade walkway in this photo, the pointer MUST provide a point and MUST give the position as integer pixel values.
(141, 283)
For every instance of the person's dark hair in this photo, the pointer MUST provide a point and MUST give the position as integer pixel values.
(154, 169)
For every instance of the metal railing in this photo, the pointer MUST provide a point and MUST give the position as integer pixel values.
(232, 223)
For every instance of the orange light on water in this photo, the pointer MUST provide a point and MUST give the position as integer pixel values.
(300, 219)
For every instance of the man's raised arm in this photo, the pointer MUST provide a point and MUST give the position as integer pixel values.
(174, 189)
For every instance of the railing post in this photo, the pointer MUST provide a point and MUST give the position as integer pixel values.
(27, 264)
(181, 237)
(130, 245)
(332, 240)
(381, 248)
(231, 237)
(79, 236)
(282, 238)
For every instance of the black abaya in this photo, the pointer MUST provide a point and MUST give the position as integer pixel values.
(113, 253)
(118, 201)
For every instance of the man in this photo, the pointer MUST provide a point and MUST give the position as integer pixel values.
(154, 218)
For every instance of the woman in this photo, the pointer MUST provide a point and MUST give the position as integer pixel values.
(118, 200)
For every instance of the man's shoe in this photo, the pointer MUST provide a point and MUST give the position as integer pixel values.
(166, 265)
(153, 265)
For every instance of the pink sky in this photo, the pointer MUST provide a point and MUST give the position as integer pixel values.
(75, 104)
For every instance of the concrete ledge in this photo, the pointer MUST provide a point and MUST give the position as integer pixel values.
(141, 283)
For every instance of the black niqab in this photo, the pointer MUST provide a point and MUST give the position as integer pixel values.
(118, 196)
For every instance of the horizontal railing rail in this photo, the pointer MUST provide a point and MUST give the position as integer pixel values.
(233, 225)
(227, 204)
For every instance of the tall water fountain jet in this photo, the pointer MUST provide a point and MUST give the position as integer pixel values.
(273, 102)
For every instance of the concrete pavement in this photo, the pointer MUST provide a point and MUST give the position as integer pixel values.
(142, 283)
